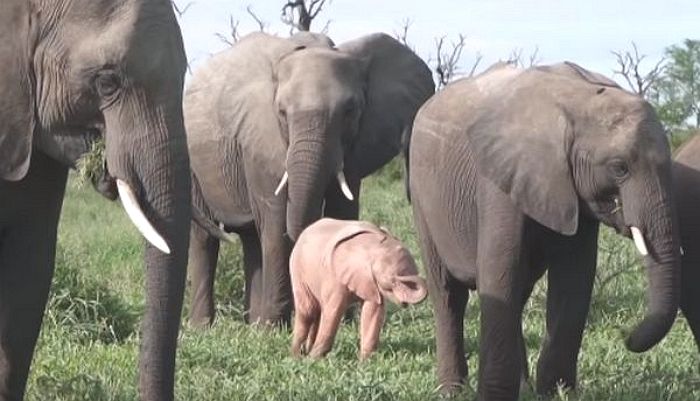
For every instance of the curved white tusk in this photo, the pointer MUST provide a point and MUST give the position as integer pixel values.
(682, 251)
(133, 210)
(282, 183)
(344, 185)
(639, 241)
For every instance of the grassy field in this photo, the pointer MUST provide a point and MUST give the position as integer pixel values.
(89, 343)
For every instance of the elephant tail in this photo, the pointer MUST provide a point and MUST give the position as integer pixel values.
(202, 215)
(406, 144)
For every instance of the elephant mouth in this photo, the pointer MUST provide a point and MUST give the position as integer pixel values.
(340, 176)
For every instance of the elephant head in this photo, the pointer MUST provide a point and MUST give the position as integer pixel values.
(78, 69)
(337, 110)
(585, 147)
(378, 265)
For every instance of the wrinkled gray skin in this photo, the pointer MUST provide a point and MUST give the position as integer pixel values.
(267, 105)
(72, 71)
(686, 188)
(511, 172)
(686, 183)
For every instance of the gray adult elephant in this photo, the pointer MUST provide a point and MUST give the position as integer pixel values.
(686, 183)
(73, 71)
(511, 172)
(299, 111)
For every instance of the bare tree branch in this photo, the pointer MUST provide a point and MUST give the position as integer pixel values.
(299, 14)
(516, 58)
(262, 25)
(402, 34)
(446, 64)
(181, 11)
(629, 63)
(234, 34)
(476, 63)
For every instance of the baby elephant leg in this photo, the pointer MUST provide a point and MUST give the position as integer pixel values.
(306, 316)
(371, 321)
(331, 314)
(313, 330)
(303, 322)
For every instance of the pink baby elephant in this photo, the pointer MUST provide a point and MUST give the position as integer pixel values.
(338, 262)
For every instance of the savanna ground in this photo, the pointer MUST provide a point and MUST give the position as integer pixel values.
(89, 343)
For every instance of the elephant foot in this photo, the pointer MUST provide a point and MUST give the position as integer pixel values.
(277, 319)
(451, 388)
(201, 317)
(201, 322)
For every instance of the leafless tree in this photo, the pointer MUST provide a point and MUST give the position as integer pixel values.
(299, 14)
(629, 67)
(516, 58)
(448, 58)
(402, 34)
(180, 11)
(234, 34)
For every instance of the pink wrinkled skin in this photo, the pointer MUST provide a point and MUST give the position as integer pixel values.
(336, 263)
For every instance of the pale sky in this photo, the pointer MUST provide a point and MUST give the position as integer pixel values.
(576, 30)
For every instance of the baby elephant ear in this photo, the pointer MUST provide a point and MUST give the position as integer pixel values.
(16, 93)
(410, 289)
(353, 272)
(522, 142)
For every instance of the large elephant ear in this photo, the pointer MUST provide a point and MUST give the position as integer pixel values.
(398, 82)
(16, 93)
(357, 277)
(241, 80)
(522, 142)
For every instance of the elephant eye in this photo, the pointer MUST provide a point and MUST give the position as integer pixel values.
(618, 169)
(107, 83)
(350, 109)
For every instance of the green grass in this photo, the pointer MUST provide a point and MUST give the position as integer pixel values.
(89, 343)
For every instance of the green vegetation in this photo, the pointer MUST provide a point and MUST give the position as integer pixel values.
(89, 343)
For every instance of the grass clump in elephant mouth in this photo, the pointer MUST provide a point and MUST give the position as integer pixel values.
(91, 166)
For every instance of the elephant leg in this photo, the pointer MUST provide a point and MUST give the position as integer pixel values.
(690, 293)
(306, 315)
(340, 207)
(313, 332)
(277, 302)
(449, 299)
(331, 314)
(252, 268)
(203, 255)
(27, 256)
(569, 285)
(502, 275)
(302, 325)
(371, 321)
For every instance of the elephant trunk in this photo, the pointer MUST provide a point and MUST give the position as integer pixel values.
(658, 232)
(147, 153)
(312, 160)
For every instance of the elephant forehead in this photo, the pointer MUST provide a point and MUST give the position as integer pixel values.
(318, 63)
